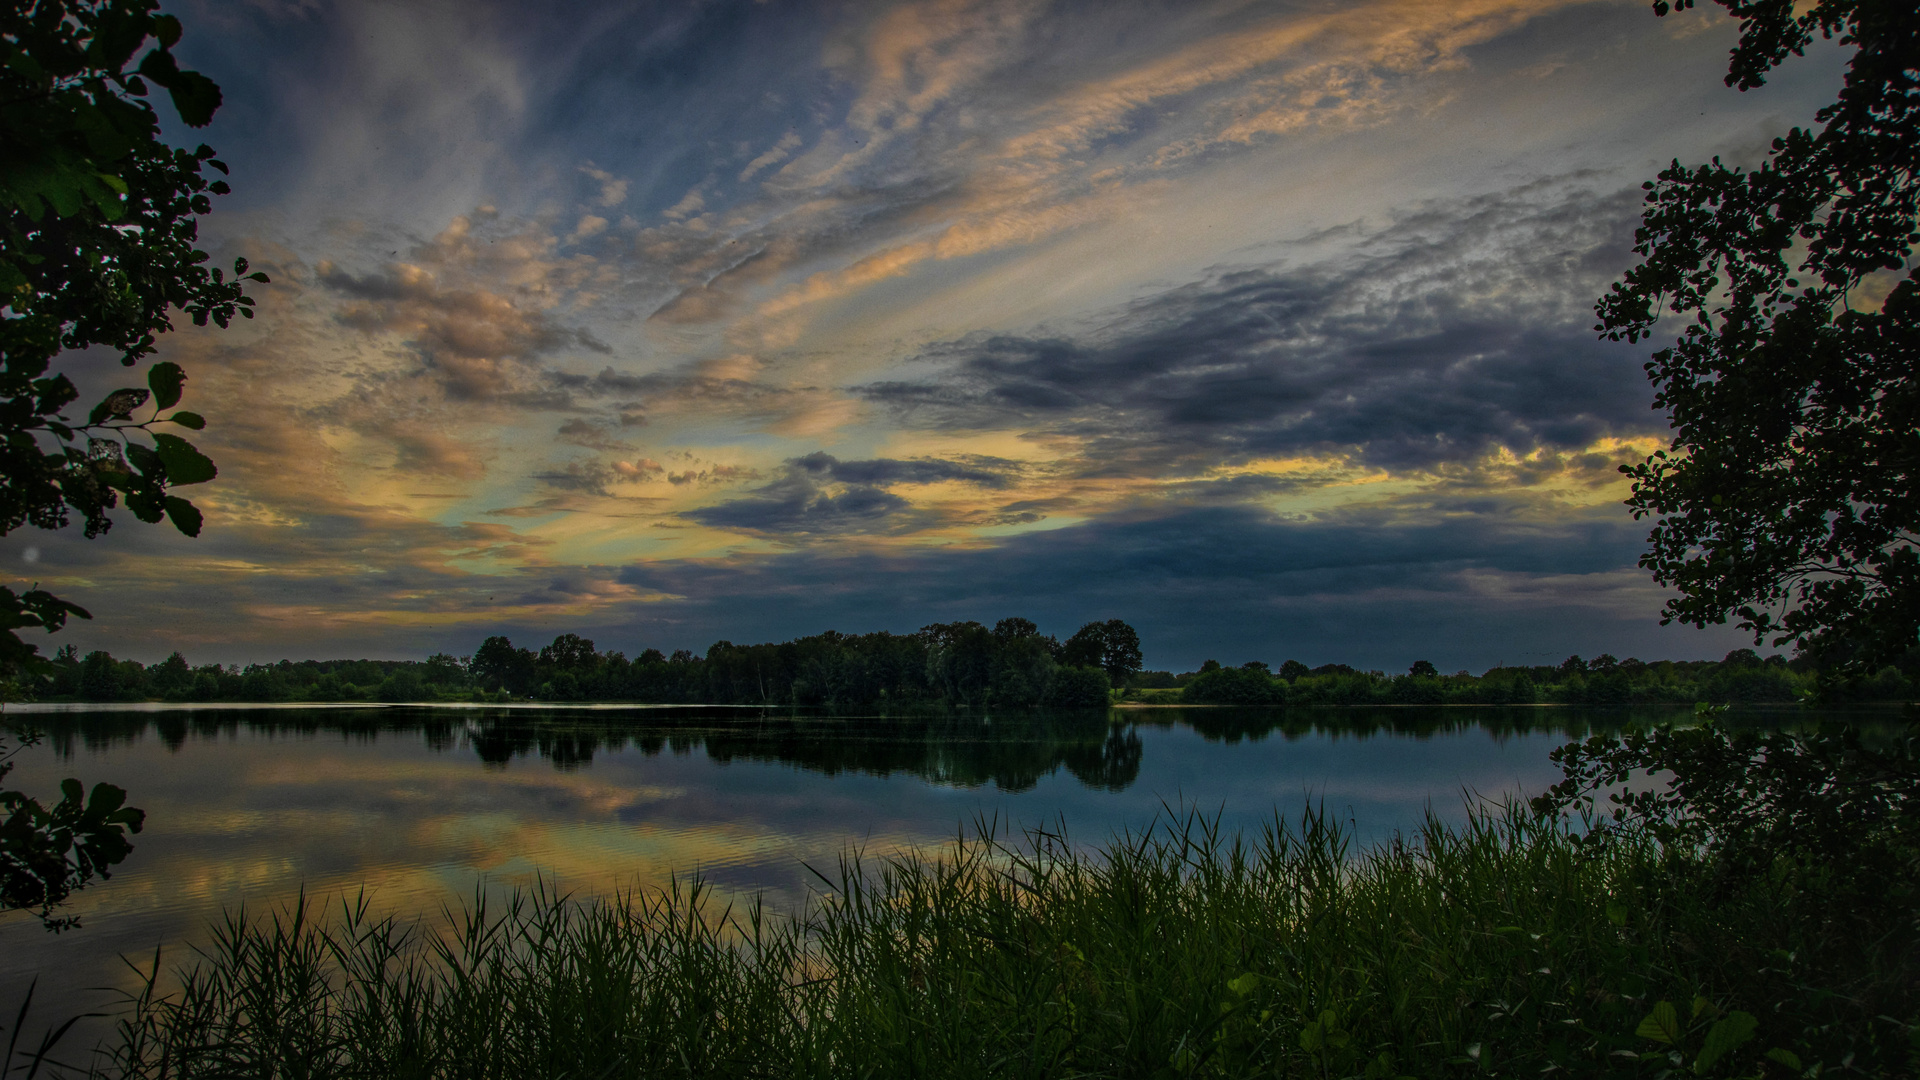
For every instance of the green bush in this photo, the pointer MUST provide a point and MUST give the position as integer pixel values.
(1078, 688)
(402, 685)
(1234, 686)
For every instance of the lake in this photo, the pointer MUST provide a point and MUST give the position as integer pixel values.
(422, 805)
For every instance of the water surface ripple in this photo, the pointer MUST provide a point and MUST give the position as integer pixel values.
(420, 806)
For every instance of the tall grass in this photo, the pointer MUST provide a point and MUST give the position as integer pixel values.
(1502, 946)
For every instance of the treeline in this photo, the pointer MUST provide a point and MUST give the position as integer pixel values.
(952, 665)
(962, 664)
(1741, 676)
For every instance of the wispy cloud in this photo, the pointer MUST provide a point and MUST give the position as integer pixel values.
(717, 319)
(1459, 331)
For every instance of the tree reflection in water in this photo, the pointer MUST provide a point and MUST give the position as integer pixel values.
(1011, 750)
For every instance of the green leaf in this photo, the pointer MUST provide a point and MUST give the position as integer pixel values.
(1785, 1057)
(188, 420)
(1616, 913)
(1310, 1038)
(1245, 984)
(166, 379)
(183, 463)
(1661, 1025)
(1723, 1037)
(184, 515)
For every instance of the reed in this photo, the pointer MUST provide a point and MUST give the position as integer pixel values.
(1501, 946)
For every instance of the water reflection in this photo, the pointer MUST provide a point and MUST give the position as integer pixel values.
(421, 805)
(1011, 751)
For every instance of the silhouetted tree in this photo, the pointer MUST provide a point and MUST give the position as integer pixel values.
(97, 247)
(1786, 500)
(569, 652)
(1112, 646)
(496, 664)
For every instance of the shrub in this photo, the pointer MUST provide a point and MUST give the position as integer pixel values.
(1078, 688)
(1234, 686)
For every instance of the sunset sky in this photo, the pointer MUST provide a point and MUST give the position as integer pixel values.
(1266, 327)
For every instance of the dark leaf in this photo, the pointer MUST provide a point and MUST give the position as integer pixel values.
(196, 97)
(144, 460)
(184, 515)
(184, 464)
(147, 504)
(166, 379)
(167, 29)
(118, 405)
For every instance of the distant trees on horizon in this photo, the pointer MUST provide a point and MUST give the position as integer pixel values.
(963, 665)
(1741, 676)
(960, 664)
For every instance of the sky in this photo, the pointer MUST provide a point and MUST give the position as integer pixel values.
(1264, 326)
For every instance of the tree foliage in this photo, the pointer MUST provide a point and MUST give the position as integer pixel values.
(1786, 499)
(1249, 684)
(1112, 646)
(98, 226)
(47, 854)
(1751, 799)
(97, 247)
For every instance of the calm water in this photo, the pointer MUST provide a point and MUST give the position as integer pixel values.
(422, 805)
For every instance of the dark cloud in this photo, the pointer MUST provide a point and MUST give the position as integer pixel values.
(466, 322)
(582, 432)
(1462, 582)
(1461, 329)
(609, 381)
(479, 345)
(590, 478)
(822, 496)
(883, 472)
(796, 506)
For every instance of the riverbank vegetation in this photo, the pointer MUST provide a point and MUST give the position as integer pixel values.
(1741, 676)
(961, 664)
(957, 665)
(1509, 946)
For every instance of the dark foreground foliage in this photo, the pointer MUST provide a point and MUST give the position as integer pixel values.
(1509, 946)
(49, 853)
